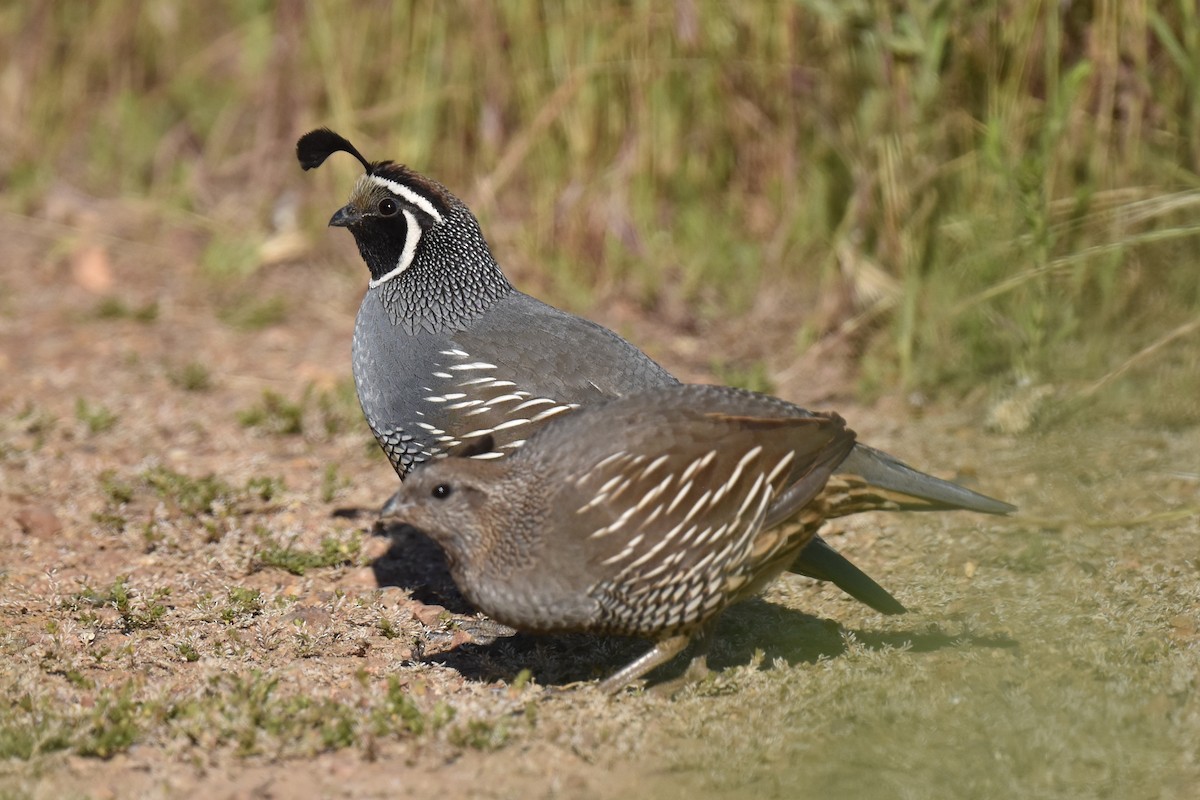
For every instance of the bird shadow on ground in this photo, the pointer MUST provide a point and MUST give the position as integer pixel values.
(414, 562)
(752, 631)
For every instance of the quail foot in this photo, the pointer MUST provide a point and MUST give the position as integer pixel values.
(446, 350)
(645, 516)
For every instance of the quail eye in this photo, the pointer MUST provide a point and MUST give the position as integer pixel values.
(442, 491)
(388, 207)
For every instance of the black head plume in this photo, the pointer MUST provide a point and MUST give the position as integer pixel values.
(316, 146)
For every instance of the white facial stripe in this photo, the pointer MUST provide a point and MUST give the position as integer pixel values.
(410, 197)
(410, 250)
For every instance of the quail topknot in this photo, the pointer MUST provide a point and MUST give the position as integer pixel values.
(447, 351)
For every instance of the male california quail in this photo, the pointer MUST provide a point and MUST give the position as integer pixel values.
(445, 350)
(644, 516)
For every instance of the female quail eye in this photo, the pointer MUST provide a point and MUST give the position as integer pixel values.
(442, 491)
(388, 207)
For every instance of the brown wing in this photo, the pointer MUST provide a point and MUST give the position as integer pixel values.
(674, 534)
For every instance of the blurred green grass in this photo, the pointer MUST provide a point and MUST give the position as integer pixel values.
(998, 191)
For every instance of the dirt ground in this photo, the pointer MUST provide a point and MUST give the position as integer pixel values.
(195, 603)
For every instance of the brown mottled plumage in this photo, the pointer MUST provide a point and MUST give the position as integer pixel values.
(644, 517)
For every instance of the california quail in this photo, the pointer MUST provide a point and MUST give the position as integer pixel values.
(644, 516)
(445, 350)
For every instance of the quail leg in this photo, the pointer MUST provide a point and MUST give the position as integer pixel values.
(697, 669)
(661, 653)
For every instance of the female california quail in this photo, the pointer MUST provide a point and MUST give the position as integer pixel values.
(446, 351)
(644, 517)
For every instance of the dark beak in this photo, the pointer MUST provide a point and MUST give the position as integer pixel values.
(344, 217)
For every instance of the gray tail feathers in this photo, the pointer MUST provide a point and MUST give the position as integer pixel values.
(927, 493)
(819, 560)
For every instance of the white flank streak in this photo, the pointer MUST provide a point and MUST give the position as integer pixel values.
(446, 397)
(550, 412)
(473, 365)
(537, 401)
(653, 494)
(604, 462)
(661, 568)
(737, 471)
(691, 535)
(464, 404)
(653, 465)
(484, 432)
(653, 551)
(444, 375)
(411, 197)
(595, 501)
(624, 485)
(480, 432)
(406, 255)
(430, 428)
(783, 462)
(683, 491)
(615, 525)
(696, 508)
(695, 466)
(758, 482)
(626, 553)
(474, 381)
(610, 483)
(455, 353)
(664, 566)
(502, 384)
(505, 398)
(713, 534)
(480, 410)
(513, 445)
(510, 423)
(653, 516)
(488, 456)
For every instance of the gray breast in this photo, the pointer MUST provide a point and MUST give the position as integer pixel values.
(515, 367)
